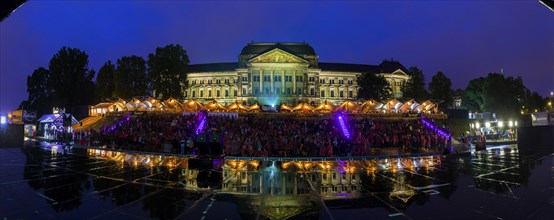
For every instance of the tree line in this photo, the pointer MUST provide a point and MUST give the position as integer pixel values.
(506, 96)
(69, 81)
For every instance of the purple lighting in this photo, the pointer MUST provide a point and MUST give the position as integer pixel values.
(343, 127)
(202, 124)
(434, 128)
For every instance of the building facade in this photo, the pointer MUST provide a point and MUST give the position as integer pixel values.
(274, 73)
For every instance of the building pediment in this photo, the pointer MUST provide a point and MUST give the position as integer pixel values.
(277, 56)
(399, 72)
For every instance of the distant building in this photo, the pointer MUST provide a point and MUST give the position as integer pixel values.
(274, 73)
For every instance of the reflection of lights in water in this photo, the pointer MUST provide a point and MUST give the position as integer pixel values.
(54, 150)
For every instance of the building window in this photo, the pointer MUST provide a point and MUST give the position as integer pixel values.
(201, 81)
(193, 93)
(288, 91)
(341, 81)
(217, 93)
(350, 94)
(311, 79)
(277, 78)
(288, 78)
(244, 78)
(278, 90)
(349, 82)
(209, 93)
(226, 93)
(256, 78)
(332, 93)
(243, 91)
(201, 93)
(341, 94)
(299, 91)
(217, 81)
(322, 93)
(267, 78)
(235, 92)
(209, 81)
(299, 78)
(226, 80)
(321, 81)
(331, 81)
(266, 90)
(312, 91)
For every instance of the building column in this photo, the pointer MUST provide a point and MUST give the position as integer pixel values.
(261, 80)
(282, 81)
(271, 82)
(294, 82)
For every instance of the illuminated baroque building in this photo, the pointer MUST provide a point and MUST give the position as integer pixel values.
(274, 73)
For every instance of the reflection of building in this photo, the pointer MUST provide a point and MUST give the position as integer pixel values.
(330, 179)
(273, 73)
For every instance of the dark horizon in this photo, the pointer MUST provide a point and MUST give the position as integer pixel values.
(465, 40)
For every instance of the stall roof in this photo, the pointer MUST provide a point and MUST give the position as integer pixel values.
(50, 118)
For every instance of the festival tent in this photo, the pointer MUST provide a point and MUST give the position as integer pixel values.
(255, 107)
(192, 106)
(347, 106)
(153, 104)
(409, 105)
(137, 104)
(172, 104)
(428, 106)
(392, 105)
(237, 107)
(120, 105)
(215, 106)
(369, 106)
(303, 107)
(325, 106)
(102, 108)
(285, 107)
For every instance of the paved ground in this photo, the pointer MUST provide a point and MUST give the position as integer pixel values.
(39, 183)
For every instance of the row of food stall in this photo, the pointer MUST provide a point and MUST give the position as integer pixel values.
(349, 106)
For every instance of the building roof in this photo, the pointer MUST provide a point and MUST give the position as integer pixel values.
(293, 48)
(212, 67)
(384, 67)
(346, 67)
(389, 66)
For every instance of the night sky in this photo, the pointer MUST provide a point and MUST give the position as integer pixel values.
(464, 39)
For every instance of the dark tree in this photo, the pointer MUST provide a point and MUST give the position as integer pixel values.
(535, 101)
(415, 86)
(473, 97)
(373, 86)
(130, 77)
(70, 78)
(495, 93)
(440, 88)
(39, 91)
(167, 71)
(105, 81)
(503, 96)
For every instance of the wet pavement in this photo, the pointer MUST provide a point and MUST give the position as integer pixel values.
(42, 182)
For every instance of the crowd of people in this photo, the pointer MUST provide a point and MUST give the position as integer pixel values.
(262, 135)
